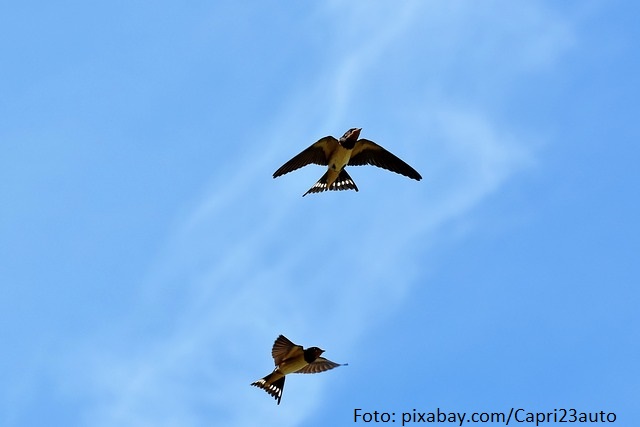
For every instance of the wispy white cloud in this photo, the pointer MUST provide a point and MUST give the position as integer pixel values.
(253, 261)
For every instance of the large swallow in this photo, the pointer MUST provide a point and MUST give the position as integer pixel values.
(346, 151)
(291, 358)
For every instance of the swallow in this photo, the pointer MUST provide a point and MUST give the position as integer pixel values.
(291, 358)
(346, 151)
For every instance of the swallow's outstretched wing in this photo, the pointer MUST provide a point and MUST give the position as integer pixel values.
(367, 152)
(284, 349)
(319, 365)
(318, 153)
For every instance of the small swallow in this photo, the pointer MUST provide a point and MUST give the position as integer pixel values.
(346, 151)
(291, 358)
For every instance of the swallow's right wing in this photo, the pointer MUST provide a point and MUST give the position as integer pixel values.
(318, 153)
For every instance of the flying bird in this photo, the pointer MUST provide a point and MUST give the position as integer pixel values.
(346, 151)
(291, 358)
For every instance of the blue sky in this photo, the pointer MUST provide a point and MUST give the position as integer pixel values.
(148, 260)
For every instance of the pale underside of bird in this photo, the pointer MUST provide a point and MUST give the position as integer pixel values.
(347, 151)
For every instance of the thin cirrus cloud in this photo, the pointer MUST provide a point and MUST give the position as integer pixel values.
(252, 259)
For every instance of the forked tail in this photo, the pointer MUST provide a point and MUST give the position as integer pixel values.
(274, 388)
(343, 182)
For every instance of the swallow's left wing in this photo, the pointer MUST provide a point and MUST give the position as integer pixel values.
(369, 153)
(319, 365)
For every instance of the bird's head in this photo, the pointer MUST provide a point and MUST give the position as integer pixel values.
(350, 137)
(312, 353)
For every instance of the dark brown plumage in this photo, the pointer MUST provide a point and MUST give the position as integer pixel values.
(291, 358)
(347, 151)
